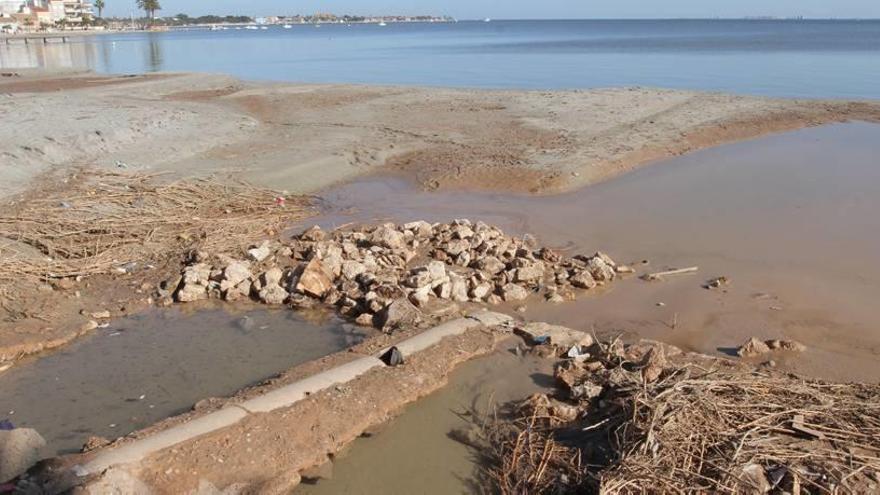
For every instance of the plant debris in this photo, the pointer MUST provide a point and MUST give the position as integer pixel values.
(654, 424)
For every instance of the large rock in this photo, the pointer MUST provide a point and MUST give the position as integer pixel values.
(351, 269)
(236, 273)
(458, 289)
(20, 449)
(386, 236)
(313, 281)
(260, 252)
(753, 347)
(273, 294)
(399, 314)
(194, 284)
(530, 272)
(600, 269)
(457, 246)
(563, 337)
(490, 264)
(583, 280)
(273, 276)
(420, 228)
(513, 292)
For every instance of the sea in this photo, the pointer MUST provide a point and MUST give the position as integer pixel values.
(791, 58)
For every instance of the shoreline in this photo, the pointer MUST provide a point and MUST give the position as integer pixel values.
(303, 139)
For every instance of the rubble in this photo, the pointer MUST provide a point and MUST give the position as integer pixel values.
(364, 270)
(756, 347)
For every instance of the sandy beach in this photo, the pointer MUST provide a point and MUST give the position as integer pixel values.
(301, 138)
(151, 168)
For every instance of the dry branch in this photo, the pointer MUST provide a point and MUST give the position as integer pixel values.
(692, 430)
(100, 222)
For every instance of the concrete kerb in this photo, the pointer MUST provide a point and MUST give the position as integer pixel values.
(282, 397)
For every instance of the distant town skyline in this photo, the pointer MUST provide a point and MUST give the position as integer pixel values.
(519, 9)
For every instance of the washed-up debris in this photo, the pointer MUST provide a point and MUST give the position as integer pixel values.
(386, 275)
(392, 357)
(632, 414)
(716, 283)
(667, 273)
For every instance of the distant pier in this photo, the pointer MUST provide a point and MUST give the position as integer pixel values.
(28, 39)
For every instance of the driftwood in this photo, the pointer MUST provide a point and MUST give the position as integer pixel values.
(678, 271)
(690, 429)
(102, 222)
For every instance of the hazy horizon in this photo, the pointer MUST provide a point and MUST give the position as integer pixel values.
(523, 10)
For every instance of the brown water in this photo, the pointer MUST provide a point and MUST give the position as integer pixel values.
(417, 453)
(791, 219)
(148, 367)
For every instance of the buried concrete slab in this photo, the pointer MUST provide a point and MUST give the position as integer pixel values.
(131, 453)
(297, 391)
(137, 450)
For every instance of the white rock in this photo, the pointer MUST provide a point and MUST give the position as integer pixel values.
(513, 292)
(20, 449)
(261, 252)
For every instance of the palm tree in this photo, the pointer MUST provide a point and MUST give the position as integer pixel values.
(150, 7)
(99, 4)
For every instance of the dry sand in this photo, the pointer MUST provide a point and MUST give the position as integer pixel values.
(303, 137)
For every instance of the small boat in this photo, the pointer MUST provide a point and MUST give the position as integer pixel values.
(487, 20)
(252, 28)
(287, 26)
(383, 24)
(264, 28)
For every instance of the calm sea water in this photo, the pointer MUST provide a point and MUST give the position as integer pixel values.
(779, 58)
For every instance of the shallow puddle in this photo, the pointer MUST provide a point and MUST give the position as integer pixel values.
(151, 366)
(418, 451)
(790, 219)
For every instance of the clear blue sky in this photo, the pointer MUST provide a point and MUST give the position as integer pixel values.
(521, 9)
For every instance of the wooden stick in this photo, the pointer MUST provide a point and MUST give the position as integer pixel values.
(679, 271)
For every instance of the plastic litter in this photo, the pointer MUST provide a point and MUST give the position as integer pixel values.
(392, 357)
(6, 425)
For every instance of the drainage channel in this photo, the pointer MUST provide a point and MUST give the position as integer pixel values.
(157, 364)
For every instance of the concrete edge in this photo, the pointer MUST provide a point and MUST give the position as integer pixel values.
(281, 397)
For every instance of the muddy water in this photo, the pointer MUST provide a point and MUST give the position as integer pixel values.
(418, 453)
(154, 365)
(790, 219)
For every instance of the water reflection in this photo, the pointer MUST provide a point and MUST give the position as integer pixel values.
(154, 53)
(52, 55)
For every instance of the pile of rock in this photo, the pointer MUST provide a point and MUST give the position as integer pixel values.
(364, 271)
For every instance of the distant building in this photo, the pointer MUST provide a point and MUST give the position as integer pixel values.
(9, 7)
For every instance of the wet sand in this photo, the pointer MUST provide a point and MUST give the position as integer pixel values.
(158, 364)
(790, 219)
(301, 137)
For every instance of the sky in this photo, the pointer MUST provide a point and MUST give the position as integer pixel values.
(520, 9)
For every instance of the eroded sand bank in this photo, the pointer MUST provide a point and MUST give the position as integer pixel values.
(303, 137)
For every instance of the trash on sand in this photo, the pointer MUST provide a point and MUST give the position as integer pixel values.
(716, 283)
(541, 340)
(6, 425)
(578, 353)
(280, 201)
(660, 275)
(121, 164)
(64, 204)
(392, 357)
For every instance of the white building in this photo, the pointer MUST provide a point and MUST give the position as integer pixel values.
(9, 7)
